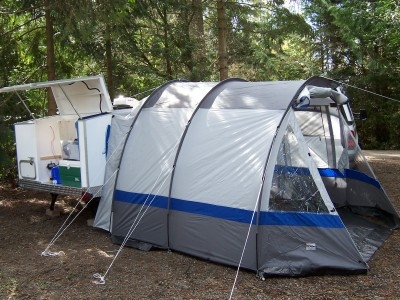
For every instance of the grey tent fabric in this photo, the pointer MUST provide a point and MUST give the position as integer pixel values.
(120, 125)
(217, 170)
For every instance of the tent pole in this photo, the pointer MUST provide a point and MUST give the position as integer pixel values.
(332, 152)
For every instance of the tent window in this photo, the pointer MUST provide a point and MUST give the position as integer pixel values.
(293, 188)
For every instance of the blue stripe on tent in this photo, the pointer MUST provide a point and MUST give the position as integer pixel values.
(327, 172)
(211, 210)
(352, 174)
(291, 170)
(300, 219)
(362, 177)
(230, 213)
(137, 198)
(216, 211)
(331, 173)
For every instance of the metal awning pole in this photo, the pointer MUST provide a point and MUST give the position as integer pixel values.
(27, 108)
(69, 101)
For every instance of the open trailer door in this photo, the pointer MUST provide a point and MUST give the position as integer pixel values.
(65, 153)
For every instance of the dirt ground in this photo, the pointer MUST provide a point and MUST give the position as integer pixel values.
(25, 231)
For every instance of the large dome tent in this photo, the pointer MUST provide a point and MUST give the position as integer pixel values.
(241, 172)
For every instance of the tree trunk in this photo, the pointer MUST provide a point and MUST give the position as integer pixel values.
(167, 55)
(222, 32)
(198, 18)
(199, 72)
(51, 68)
(109, 64)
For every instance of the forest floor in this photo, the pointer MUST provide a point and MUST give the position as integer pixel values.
(25, 231)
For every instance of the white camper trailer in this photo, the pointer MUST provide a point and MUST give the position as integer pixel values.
(65, 153)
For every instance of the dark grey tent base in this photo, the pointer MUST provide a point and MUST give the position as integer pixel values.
(271, 273)
(261, 274)
(369, 228)
(131, 243)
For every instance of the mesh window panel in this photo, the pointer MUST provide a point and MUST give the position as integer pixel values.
(293, 188)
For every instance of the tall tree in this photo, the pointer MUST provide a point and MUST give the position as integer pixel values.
(222, 40)
(50, 58)
(199, 71)
(259, 33)
(362, 39)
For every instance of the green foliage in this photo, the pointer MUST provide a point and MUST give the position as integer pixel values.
(140, 44)
(358, 42)
(7, 152)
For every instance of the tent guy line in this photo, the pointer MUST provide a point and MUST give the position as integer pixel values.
(283, 147)
(366, 91)
(66, 224)
(135, 223)
(139, 216)
(204, 207)
(244, 248)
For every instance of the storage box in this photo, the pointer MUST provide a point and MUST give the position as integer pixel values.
(70, 173)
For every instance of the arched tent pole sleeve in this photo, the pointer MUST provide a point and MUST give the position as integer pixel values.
(317, 81)
(149, 102)
(325, 88)
(313, 80)
(209, 97)
(267, 161)
(322, 82)
(321, 87)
